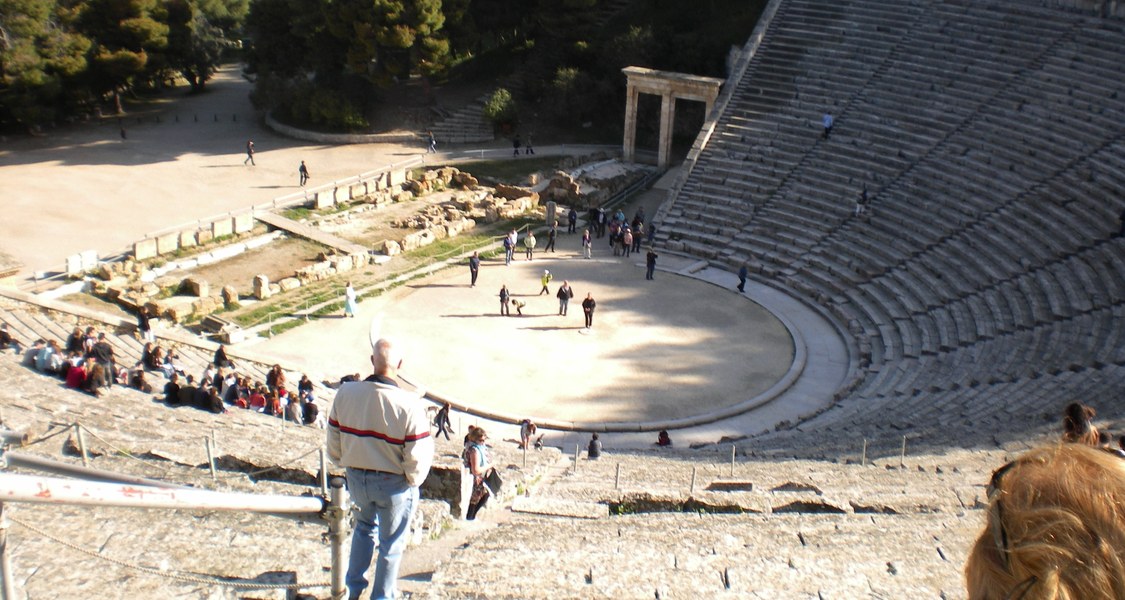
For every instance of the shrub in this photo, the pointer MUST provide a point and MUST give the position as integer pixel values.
(500, 109)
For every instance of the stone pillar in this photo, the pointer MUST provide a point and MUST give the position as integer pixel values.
(630, 145)
(551, 210)
(667, 118)
(261, 287)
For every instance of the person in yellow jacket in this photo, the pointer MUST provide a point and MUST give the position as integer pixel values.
(545, 279)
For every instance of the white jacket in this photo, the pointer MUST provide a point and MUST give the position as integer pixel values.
(379, 427)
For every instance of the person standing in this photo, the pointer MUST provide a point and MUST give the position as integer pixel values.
(545, 279)
(828, 122)
(516, 146)
(349, 301)
(650, 264)
(626, 240)
(303, 171)
(509, 249)
(144, 325)
(564, 295)
(505, 298)
(552, 233)
(381, 436)
(588, 306)
(431, 143)
(441, 420)
(478, 462)
(743, 274)
(527, 146)
(587, 244)
(638, 237)
(474, 269)
(249, 153)
(529, 244)
(600, 222)
(572, 221)
(104, 356)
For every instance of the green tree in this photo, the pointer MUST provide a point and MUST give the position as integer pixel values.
(39, 62)
(123, 33)
(195, 46)
(388, 39)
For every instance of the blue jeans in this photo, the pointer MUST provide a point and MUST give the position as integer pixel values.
(386, 503)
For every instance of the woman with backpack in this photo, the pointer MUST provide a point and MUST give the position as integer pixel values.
(479, 463)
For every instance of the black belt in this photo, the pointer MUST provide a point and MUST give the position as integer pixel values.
(374, 471)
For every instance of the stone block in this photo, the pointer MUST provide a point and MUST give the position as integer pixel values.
(89, 259)
(222, 228)
(196, 287)
(229, 296)
(204, 236)
(74, 265)
(357, 190)
(289, 283)
(188, 239)
(243, 222)
(323, 200)
(275, 289)
(168, 243)
(391, 248)
(397, 177)
(144, 249)
(261, 287)
(342, 264)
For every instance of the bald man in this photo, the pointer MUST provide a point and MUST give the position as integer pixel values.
(381, 435)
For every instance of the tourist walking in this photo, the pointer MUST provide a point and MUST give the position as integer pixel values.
(587, 244)
(588, 306)
(552, 233)
(650, 264)
(349, 300)
(572, 221)
(249, 153)
(828, 122)
(743, 275)
(431, 143)
(479, 463)
(441, 420)
(381, 436)
(474, 269)
(303, 172)
(544, 280)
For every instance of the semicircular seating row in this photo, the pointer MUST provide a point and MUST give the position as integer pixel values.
(984, 286)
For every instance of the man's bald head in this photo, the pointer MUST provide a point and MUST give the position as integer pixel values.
(385, 357)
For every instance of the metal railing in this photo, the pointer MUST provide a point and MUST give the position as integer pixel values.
(109, 489)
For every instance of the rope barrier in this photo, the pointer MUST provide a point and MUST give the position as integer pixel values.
(127, 453)
(204, 578)
(48, 436)
(272, 468)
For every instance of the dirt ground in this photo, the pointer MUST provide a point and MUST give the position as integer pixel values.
(276, 260)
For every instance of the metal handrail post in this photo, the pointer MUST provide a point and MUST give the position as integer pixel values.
(337, 530)
(6, 585)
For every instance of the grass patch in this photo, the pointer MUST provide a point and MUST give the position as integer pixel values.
(511, 171)
(296, 214)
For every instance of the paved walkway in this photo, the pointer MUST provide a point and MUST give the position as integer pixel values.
(311, 233)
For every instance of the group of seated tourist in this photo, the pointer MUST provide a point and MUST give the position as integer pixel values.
(221, 386)
(88, 363)
(1056, 520)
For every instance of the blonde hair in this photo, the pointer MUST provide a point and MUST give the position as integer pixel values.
(1055, 530)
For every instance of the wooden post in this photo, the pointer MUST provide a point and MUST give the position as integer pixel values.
(692, 490)
(617, 478)
(81, 444)
(863, 457)
(324, 472)
(210, 459)
(902, 457)
(576, 451)
(732, 451)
